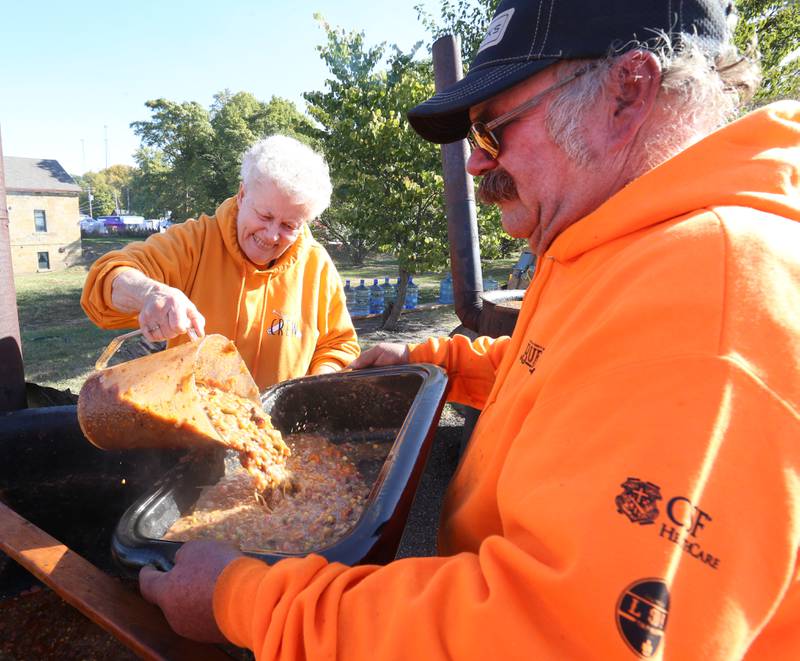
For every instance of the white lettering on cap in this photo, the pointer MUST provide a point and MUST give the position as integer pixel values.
(497, 28)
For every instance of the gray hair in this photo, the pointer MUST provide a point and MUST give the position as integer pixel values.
(293, 167)
(699, 93)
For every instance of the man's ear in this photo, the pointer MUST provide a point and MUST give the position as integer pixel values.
(634, 84)
(240, 194)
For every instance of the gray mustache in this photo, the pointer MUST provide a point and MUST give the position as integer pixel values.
(497, 186)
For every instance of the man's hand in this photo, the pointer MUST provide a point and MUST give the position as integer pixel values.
(385, 353)
(164, 312)
(186, 592)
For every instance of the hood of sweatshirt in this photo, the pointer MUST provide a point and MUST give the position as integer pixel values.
(226, 216)
(752, 162)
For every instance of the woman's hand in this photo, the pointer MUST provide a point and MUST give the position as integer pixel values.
(164, 312)
(167, 312)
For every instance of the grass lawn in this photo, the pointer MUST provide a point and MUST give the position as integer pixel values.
(60, 345)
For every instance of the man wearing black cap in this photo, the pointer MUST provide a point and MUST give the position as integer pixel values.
(631, 488)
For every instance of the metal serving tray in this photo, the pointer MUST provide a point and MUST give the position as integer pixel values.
(400, 403)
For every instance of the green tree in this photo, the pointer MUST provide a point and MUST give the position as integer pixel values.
(103, 201)
(109, 188)
(150, 184)
(388, 190)
(183, 135)
(773, 26)
(469, 19)
(466, 18)
(239, 120)
(190, 157)
(118, 178)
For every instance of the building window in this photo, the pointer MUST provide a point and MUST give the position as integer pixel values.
(44, 261)
(40, 220)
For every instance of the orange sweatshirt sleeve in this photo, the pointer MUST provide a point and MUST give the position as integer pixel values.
(562, 576)
(337, 344)
(471, 365)
(170, 258)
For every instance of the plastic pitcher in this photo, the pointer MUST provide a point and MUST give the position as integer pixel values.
(153, 402)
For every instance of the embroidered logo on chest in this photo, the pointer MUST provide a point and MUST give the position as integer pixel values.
(530, 355)
(283, 326)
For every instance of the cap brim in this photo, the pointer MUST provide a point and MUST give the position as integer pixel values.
(445, 116)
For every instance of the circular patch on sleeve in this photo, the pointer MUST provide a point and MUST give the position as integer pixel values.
(641, 615)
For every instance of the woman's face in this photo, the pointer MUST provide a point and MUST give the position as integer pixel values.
(269, 221)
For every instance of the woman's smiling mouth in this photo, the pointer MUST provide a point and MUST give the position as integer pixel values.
(262, 245)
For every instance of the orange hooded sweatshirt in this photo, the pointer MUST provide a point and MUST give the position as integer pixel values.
(631, 488)
(285, 320)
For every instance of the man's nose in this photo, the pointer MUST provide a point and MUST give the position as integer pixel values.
(480, 162)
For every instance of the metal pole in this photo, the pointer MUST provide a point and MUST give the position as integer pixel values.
(462, 222)
(12, 373)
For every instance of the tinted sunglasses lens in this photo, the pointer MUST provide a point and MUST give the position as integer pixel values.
(483, 138)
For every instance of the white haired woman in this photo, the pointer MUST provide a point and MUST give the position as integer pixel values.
(251, 272)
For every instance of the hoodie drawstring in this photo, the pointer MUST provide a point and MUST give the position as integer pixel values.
(239, 307)
(261, 327)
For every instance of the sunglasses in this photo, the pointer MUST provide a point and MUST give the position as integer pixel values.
(481, 135)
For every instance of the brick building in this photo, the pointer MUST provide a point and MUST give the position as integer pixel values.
(43, 214)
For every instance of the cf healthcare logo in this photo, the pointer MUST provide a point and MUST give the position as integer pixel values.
(497, 28)
(642, 611)
(685, 520)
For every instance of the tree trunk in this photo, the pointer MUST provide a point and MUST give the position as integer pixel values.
(12, 373)
(397, 307)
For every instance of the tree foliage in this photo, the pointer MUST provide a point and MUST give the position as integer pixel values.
(468, 19)
(387, 181)
(190, 156)
(151, 184)
(388, 187)
(110, 189)
(103, 202)
(773, 26)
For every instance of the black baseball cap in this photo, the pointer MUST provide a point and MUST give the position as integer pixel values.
(525, 36)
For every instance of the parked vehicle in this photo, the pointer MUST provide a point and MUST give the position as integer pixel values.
(91, 226)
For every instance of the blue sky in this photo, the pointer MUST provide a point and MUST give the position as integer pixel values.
(71, 69)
